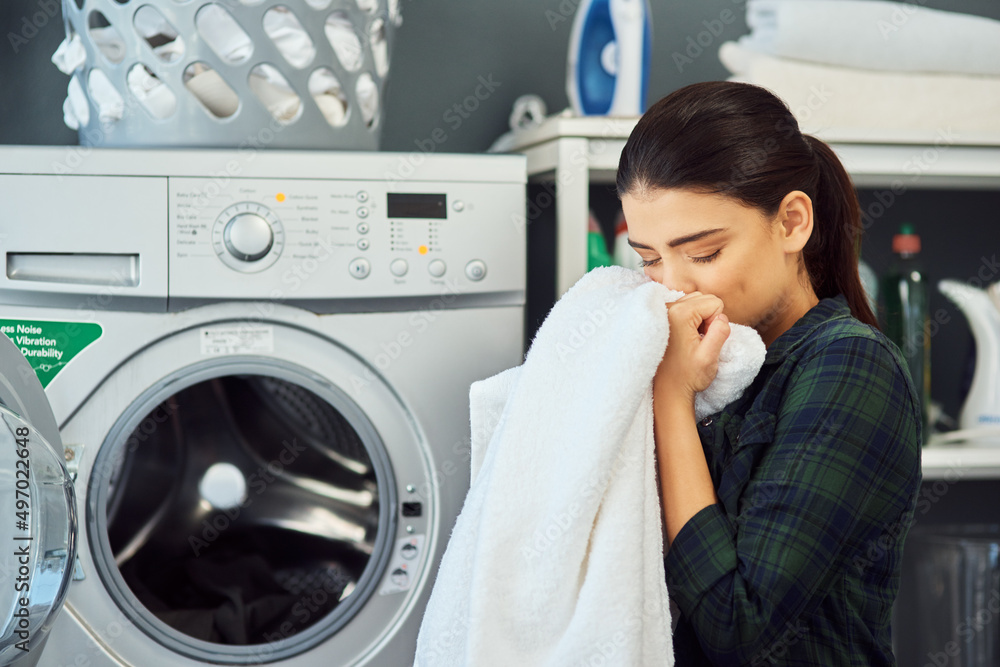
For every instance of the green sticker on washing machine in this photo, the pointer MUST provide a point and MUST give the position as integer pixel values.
(48, 346)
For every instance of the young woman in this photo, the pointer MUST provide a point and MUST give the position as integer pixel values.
(785, 513)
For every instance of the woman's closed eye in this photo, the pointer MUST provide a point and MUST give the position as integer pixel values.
(707, 258)
(704, 258)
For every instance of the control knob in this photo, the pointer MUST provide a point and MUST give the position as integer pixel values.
(248, 237)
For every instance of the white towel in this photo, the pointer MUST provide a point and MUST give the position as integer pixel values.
(844, 104)
(873, 34)
(556, 557)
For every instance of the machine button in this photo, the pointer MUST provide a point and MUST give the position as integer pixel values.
(362, 196)
(362, 228)
(359, 267)
(363, 211)
(476, 269)
(401, 578)
(363, 244)
(248, 237)
(458, 205)
(399, 267)
(409, 551)
(436, 268)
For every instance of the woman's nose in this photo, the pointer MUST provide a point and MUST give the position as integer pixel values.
(675, 280)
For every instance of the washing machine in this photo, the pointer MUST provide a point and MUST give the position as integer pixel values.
(236, 396)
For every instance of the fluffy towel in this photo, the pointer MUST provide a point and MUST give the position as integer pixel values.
(556, 557)
(870, 34)
(843, 104)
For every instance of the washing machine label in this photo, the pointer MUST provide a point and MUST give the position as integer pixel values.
(49, 346)
(237, 338)
(403, 566)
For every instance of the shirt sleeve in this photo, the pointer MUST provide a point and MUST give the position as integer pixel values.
(844, 438)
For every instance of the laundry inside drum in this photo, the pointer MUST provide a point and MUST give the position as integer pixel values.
(243, 510)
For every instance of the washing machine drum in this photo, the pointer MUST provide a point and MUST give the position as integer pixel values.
(227, 507)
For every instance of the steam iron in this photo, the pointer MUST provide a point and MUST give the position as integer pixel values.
(609, 56)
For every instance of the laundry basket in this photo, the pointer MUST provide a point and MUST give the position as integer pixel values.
(227, 73)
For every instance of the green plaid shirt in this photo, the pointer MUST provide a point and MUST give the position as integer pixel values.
(817, 468)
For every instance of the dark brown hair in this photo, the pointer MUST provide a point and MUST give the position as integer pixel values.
(740, 140)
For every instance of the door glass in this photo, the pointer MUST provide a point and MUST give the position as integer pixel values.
(236, 501)
(38, 533)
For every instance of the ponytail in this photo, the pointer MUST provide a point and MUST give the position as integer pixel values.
(832, 252)
(739, 140)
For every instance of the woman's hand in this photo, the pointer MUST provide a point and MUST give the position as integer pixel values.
(698, 328)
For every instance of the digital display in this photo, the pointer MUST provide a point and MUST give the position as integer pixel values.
(411, 205)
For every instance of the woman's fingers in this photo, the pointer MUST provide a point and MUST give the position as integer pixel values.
(715, 335)
(698, 328)
(694, 312)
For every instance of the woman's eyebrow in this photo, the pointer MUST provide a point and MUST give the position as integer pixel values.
(680, 240)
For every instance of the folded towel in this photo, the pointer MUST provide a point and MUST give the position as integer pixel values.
(843, 104)
(556, 557)
(871, 34)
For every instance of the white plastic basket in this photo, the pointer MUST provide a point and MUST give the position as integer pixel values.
(227, 73)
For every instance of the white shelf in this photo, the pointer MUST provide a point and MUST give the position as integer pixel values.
(952, 463)
(574, 152)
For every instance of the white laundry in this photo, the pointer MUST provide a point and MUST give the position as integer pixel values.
(380, 47)
(274, 92)
(162, 38)
(366, 91)
(109, 42)
(151, 92)
(223, 34)
(340, 33)
(109, 102)
(874, 34)
(846, 104)
(212, 90)
(329, 96)
(76, 108)
(70, 55)
(556, 557)
(287, 33)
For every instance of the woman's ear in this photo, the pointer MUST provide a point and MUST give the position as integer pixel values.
(795, 213)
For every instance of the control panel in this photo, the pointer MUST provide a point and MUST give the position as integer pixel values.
(322, 239)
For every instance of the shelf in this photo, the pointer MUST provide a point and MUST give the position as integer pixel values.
(574, 152)
(952, 463)
(906, 159)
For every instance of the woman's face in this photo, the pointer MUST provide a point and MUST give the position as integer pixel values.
(710, 243)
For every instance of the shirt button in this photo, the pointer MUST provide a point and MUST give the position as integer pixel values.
(707, 421)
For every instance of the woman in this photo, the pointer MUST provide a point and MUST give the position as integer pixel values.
(785, 513)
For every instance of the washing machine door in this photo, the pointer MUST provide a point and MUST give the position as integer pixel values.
(37, 512)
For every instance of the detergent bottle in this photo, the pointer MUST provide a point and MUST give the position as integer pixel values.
(609, 56)
(597, 248)
(906, 311)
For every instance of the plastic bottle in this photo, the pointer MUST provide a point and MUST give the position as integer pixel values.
(624, 255)
(904, 290)
(597, 249)
(869, 281)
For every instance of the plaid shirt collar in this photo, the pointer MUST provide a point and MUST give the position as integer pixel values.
(830, 308)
